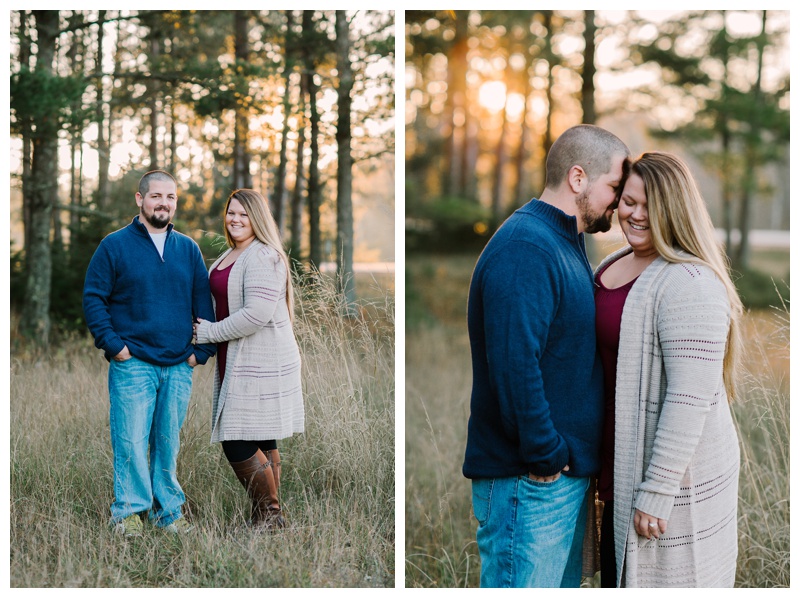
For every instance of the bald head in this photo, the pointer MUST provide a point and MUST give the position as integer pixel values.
(587, 146)
(154, 175)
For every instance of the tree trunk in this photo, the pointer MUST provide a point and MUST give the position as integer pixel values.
(587, 94)
(470, 148)
(173, 139)
(241, 155)
(296, 223)
(75, 53)
(103, 153)
(43, 188)
(24, 60)
(155, 52)
(500, 161)
(547, 142)
(727, 201)
(751, 152)
(344, 172)
(454, 175)
(58, 230)
(74, 190)
(467, 184)
(279, 198)
(314, 188)
(314, 238)
(725, 140)
(27, 151)
(522, 186)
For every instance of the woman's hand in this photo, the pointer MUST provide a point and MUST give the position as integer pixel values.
(648, 526)
(195, 325)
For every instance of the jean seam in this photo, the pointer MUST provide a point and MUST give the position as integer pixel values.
(489, 501)
(513, 542)
(176, 383)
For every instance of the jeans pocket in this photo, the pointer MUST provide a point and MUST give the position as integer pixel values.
(482, 499)
(537, 484)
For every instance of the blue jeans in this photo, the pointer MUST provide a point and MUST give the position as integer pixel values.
(148, 406)
(530, 534)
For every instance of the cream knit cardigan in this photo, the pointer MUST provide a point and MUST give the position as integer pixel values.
(676, 453)
(261, 396)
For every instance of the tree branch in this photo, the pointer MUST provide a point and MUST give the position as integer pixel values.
(87, 24)
(85, 211)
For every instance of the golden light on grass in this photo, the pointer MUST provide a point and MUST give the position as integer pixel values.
(439, 525)
(338, 483)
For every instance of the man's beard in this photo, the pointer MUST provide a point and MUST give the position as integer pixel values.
(592, 223)
(158, 219)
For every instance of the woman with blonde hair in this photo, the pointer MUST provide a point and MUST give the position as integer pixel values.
(257, 385)
(667, 319)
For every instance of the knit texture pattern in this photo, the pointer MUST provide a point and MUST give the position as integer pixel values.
(537, 382)
(134, 297)
(261, 396)
(676, 448)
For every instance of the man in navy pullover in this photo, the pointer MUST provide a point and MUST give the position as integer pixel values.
(537, 398)
(144, 286)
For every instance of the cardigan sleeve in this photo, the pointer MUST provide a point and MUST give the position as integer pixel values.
(264, 280)
(202, 306)
(693, 324)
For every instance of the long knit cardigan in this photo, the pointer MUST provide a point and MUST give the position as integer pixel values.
(261, 395)
(676, 452)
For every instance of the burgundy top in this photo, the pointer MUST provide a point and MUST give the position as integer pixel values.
(219, 289)
(608, 318)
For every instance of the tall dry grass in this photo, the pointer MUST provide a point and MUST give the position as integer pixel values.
(338, 483)
(762, 418)
(439, 526)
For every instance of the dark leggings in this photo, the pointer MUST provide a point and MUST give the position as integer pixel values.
(608, 566)
(241, 450)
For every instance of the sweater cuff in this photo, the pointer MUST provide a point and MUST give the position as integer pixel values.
(113, 349)
(654, 504)
(202, 353)
(203, 331)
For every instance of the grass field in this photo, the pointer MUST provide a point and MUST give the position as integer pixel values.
(338, 483)
(439, 526)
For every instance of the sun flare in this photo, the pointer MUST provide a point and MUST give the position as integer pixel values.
(492, 95)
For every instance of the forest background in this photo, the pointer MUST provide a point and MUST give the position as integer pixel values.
(486, 94)
(297, 104)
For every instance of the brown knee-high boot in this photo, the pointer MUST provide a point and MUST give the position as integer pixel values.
(257, 477)
(275, 459)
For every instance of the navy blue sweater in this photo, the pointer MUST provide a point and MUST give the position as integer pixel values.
(537, 389)
(132, 296)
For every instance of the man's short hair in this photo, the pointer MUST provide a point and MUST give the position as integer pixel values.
(590, 147)
(154, 175)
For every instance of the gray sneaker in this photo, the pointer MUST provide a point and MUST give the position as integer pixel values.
(130, 526)
(179, 526)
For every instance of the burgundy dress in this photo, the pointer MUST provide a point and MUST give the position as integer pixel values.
(219, 289)
(608, 318)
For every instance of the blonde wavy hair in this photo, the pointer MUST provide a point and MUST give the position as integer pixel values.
(679, 219)
(265, 229)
